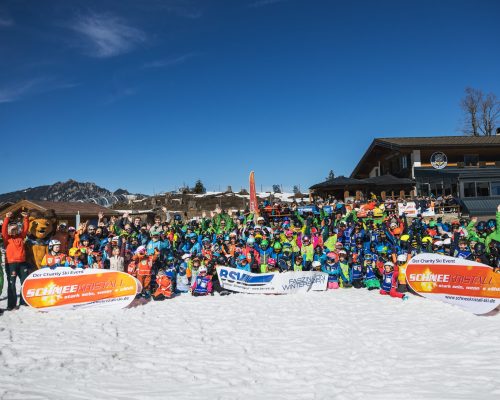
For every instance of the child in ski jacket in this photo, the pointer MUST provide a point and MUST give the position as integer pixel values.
(202, 285)
(390, 282)
(164, 287)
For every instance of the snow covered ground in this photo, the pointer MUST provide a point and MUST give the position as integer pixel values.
(343, 344)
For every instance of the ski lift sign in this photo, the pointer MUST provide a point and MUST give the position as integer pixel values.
(439, 160)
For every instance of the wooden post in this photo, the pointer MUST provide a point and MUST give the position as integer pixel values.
(382, 194)
(402, 194)
(346, 194)
(358, 195)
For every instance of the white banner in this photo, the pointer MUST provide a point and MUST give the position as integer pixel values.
(411, 210)
(273, 282)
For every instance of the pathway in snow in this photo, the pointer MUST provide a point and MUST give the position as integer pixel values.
(345, 344)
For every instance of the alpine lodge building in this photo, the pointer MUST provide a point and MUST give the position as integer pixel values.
(465, 167)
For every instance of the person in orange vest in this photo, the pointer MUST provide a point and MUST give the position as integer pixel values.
(15, 262)
(141, 267)
(54, 258)
(164, 289)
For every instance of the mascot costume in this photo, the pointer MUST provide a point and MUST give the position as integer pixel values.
(42, 225)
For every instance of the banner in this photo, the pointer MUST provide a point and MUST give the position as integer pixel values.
(67, 288)
(467, 284)
(411, 210)
(254, 205)
(271, 283)
(307, 209)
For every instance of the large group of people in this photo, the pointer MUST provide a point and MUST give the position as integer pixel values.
(358, 247)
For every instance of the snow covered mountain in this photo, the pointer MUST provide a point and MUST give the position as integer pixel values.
(61, 191)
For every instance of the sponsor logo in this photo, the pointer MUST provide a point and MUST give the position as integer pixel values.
(244, 278)
(439, 160)
(295, 283)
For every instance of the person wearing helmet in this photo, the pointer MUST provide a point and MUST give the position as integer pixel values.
(164, 286)
(191, 245)
(272, 265)
(15, 257)
(54, 257)
(369, 272)
(402, 263)
(202, 285)
(389, 282)
(206, 249)
(479, 254)
(285, 261)
(343, 264)
(95, 260)
(356, 272)
(181, 279)
(290, 237)
(251, 254)
(141, 267)
(264, 254)
(74, 259)
(493, 227)
(242, 263)
(316, 265)
(157, 244)
(319, 254)
(307, 251)
(331, 267)
(298, 262)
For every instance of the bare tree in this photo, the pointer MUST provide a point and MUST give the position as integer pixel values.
(471, 105)
(481, 112)
(490, 112)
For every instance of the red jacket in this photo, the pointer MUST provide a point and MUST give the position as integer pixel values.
(14, 245)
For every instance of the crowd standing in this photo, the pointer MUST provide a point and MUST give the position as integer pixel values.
(358, 248)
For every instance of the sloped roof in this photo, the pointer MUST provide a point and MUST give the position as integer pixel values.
(338, 181)
(440, 141)
(62, 208)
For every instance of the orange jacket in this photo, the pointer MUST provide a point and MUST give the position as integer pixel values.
(14, 245)
(50, 260)
(164, 286)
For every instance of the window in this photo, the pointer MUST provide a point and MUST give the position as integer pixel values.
(469, 189)
(471, 160)
(483, 188)
(404, 162)
(495, 188)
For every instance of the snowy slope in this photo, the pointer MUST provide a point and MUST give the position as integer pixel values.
(343, 344)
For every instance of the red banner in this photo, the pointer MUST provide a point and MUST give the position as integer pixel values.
(254, 205)
(467, 284)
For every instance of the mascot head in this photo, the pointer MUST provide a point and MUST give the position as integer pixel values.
(42, 224)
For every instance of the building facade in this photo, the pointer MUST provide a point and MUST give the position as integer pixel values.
(460, 166)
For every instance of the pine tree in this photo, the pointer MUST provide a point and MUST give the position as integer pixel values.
(331, 175)
(199, 188)
(276, 188)
(296, 189)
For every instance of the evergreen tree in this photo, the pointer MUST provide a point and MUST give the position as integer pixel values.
(276, 188)
(199, 188)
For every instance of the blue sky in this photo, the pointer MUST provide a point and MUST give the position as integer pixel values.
(148, 95)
